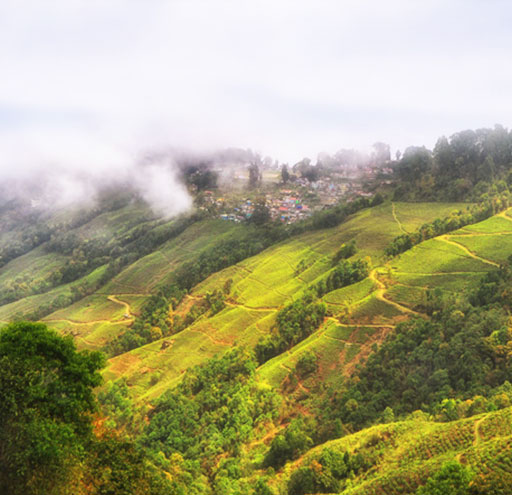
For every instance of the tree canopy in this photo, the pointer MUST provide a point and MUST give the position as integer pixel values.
(46, 402)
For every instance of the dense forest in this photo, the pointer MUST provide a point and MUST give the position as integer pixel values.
(468, 165)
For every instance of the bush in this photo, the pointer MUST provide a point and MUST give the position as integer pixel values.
(451, 479)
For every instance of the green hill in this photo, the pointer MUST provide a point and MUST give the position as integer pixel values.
(400, 456)
(99, 277)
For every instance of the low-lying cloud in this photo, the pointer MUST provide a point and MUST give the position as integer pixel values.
(88, 86)
(61, 169)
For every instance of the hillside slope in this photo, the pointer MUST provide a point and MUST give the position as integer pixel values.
(260, 286)
(403, 455)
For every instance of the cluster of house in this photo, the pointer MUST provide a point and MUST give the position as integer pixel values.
(287, 207)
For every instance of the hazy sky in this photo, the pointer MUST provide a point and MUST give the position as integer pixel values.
(91, 81)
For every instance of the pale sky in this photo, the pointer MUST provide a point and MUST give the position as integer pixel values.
(90, 82)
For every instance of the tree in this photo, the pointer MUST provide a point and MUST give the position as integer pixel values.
(306, 364)
(261, 213)
(381, 153)
(254, 175)
(46, 402)
(285, 175)
(117, 466)
(288, 445)
(452, 479)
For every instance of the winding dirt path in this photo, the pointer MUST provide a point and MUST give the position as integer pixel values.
(478, 436)
(129, 318)
(236, 304)
(445, 238)
(504, 215)
(468, 233)
(91, 322)
(393, 210)
(434, 274)
(212, 339)
(360, 325)
(379, 294)
(127, 307)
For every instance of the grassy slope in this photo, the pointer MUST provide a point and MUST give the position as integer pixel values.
(35, 265)
(38, 264)
(359, 315)
(264, 283)
(27, 304)
(261, 286)
(406, 453)
(154, 269)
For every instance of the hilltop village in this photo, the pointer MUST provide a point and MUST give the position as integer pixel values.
(288, 197)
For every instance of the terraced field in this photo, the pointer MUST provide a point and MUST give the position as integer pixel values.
(451, 262)
(154, 269)
(11, 311)
(406, 453)
(263, 284)
(121, 299)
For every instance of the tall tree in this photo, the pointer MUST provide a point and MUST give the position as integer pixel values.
(254, 175)
(285, 175)
(46, 402)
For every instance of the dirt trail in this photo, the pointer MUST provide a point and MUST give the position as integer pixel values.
(127, 307)
(504, 215)
(251, 308)
(393, 210)
(478, 437)
(360, 325)
(302, 387)
(135, 294)
(212, 339)
(434, 274)
(343, 341)
(364, 351)
(379, 294)
(480, 234)
(91, 322)
(445, 238)
(129, 318)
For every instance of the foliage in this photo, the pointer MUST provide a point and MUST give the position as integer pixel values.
(116, 404)
(465, 166)
(343, 274)
(117, 466)
(84, 253)
(451, 479)
(211, 412)
(154, 314)
(344, 252)
(325, 473)
(306, 364)
(456, 220)
(46, 391)
(254, 175)
(285, 174)
(200, 175)
(461, 352)
(260, 214)
(215, 301)
(294, 323)
(288, 445)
